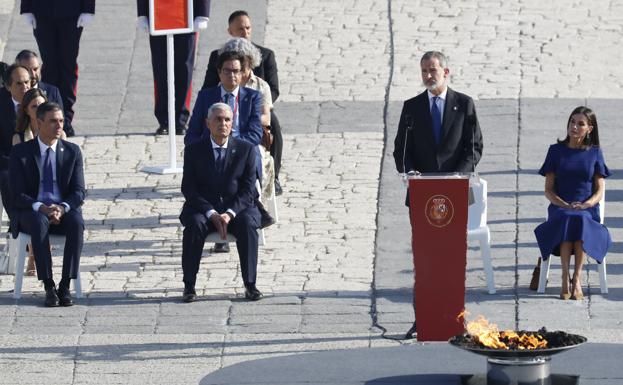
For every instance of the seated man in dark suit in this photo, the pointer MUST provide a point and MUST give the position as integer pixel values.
(48, 201)
(219, 188)
(17, 81)
(239, 25)
(30, 59)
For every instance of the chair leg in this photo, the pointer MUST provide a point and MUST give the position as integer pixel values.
(78, 285)
(544, 275)
(20, 263)
(603, 281)
(485, 251)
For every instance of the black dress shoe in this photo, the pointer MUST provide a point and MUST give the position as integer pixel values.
(251, 293)
(180, 130)
(265, 218)
(278, 189)
(162, 130)
(221, 248)
(64, 297)
(412, 333)
(51, 299)
(189, 295)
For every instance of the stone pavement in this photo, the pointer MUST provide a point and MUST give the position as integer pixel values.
(337, 263)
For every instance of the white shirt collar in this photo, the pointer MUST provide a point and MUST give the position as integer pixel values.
(43, 147)
(442, 95)
(215, 145)
(15, 104)
(234, 92)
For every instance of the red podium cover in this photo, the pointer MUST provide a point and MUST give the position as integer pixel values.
(438, 210)
(170, 16)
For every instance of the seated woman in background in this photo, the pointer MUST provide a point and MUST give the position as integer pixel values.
(574, 171)
(26, 129)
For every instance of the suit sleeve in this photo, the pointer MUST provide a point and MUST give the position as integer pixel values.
(245, 195)
(196, 126)
(190, 179)
(87, 6)
(201, 8)
(401, 157)
(76, 189)
(211, 77)
(253, 133)
(472, 140)
(270, 74)
(17, 176)
(142, 8)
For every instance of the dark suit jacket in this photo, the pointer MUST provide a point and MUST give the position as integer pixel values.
(57, 9)
(249, 111)
(24, 173)
(204, 189)
(7, 127)
(52, 92)
(200, 8)
(461, 144)
(267, 70)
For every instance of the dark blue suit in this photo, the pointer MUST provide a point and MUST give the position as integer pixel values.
(25, 175)
(184, 63)
(205, 189)
(7, 129)
(58, 39)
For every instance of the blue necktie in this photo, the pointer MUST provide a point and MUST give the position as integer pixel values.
(48, 177)
(436, 116)
(220, 160)
(231, 101)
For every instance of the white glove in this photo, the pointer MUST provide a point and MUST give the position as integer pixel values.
(84, 19)
(143, 23)
(30, 20)
(200, 22)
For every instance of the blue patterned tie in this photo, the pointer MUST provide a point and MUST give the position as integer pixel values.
(220, 160)
(436, 116)
(48, 177)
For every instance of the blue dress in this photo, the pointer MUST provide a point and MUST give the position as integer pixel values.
(574, 170)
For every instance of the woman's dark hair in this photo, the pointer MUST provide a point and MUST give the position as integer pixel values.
(592, 139)
(23, 119)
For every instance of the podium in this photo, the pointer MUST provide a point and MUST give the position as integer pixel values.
(438, 213)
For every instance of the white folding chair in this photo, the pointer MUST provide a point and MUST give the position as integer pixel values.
(18, 248)
(477, 228)
(603, 282)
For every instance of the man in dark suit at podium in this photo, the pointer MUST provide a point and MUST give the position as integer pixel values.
(438, 129)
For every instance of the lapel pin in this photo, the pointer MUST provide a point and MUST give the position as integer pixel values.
(455, 108)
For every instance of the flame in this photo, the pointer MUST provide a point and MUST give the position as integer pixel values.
(488, 335)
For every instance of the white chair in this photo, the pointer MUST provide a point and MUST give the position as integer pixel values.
(603, 282)
(18, 247)
(477, 228)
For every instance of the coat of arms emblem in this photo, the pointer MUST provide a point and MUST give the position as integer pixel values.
(439, 210)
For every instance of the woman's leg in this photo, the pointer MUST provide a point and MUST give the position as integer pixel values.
(580, 257)
(565, 258)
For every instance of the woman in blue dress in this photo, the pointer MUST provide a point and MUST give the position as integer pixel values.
(574, 171)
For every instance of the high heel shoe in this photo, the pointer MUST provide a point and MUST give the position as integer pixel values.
(577, 296)
(565, 296)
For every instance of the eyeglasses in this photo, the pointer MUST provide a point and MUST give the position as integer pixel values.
(229, 71)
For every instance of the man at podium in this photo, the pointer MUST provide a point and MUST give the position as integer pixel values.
(438, 130)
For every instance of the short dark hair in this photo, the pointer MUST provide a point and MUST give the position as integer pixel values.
(25, 54)
(9, 73)
(237, 14)
(227, 56)
(3, 68)
(46, 107)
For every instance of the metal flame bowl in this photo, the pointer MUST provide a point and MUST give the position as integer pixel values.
(464, 341)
